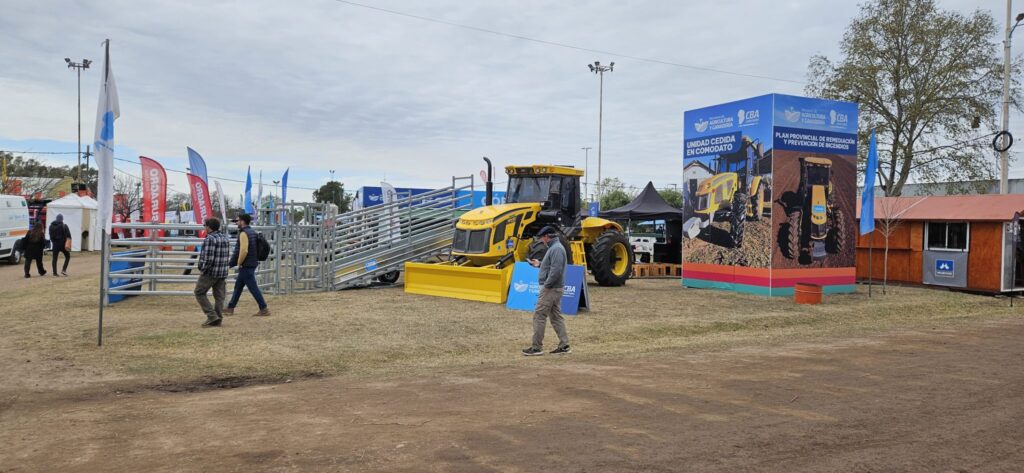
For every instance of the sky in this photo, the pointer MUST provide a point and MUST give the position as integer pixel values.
(320, 85)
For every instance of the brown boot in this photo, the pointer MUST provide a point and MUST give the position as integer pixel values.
(262, 313)
(228, 311)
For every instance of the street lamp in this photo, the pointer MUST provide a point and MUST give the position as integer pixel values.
(586, 171)
(598, 69)
(78, 66)
(1004, 148)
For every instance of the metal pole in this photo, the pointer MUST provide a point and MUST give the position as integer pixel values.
(586, 171)
(79, 174)
(871, 245)
(103, 288)
(1004, 155)
(600, 120)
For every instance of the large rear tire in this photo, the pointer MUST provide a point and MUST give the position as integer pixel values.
(738, 216)
(793, 234)
(611, 260)
(838, 233)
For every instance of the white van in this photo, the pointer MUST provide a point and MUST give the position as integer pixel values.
(13, 226)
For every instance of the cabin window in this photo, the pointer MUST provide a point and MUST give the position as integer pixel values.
(947, 236)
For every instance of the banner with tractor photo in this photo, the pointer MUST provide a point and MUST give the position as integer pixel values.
(769, 195)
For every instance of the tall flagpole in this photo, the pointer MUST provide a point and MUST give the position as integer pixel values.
(104, 274)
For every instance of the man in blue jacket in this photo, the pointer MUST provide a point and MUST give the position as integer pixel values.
(549, 303)
(245, 258)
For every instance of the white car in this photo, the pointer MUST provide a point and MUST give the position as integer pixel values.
(643, 248)
(13, 226)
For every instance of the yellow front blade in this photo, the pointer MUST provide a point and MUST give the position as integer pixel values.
(484, 284)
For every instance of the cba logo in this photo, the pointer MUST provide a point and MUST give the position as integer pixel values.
(836, 118)
(520, 286)
(701, 126)
(742, 115)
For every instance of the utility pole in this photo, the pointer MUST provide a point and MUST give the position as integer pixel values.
(78, 66)
(586, 171)
(1004, 147)
(598, 69)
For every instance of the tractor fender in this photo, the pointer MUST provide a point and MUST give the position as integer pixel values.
(593, 227)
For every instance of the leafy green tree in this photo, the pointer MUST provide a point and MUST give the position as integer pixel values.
(673, 197)
(333, 192)
(921, 75)
(614, 199)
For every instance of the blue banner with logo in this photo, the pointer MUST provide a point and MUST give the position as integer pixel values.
(524, 290)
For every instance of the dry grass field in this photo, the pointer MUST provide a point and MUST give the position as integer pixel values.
(661, 379)
(383, 332)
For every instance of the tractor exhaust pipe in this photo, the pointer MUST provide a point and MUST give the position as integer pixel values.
(489, 186)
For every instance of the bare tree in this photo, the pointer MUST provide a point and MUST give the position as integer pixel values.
(889, 214)
(130, 191)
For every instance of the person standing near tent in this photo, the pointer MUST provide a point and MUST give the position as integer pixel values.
(549, 302)
(32, 247)
(213, 268)
(60, 238)
(245, 257)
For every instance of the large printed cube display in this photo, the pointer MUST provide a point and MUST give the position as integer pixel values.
(770, 195)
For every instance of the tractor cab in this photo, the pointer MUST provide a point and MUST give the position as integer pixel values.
(556, 188)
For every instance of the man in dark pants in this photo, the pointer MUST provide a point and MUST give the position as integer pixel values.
(214, 260)
(549, 303)
(60, 234)
(245, 258)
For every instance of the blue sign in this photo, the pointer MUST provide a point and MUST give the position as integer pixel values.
(814, 141)
(818, 209)
(479, 198)
(593, 209)
(371, 265)
(524, 289)
(712, 145)
(373, 195)
(944, 268)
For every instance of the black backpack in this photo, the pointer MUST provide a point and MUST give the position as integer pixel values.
(262, 247)
(57, 232)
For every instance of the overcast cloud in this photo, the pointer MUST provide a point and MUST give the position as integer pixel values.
(319, 84)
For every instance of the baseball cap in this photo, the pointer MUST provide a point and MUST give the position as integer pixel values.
(548, 230)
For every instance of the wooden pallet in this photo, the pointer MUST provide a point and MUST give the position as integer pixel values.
(656, 270)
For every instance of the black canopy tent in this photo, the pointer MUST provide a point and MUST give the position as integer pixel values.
(649, 205)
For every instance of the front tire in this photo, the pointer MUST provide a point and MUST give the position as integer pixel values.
(611, 259)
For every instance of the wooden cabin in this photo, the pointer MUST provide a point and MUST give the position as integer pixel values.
(971, 242)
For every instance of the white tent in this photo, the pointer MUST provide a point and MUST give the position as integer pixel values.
(82, 219)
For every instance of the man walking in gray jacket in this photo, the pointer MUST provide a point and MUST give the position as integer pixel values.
(549, 303)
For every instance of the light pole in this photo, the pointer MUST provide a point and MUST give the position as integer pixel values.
(586, 171)
(598, 69)
(78, 66)
(1004, 148)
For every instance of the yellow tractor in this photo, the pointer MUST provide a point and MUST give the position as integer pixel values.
(816, 226)
(490, 239)
(737, 192)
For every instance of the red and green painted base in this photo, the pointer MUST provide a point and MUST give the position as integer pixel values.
(767, 281)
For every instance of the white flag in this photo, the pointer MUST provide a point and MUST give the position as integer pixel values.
(107, 111)
(223, 205)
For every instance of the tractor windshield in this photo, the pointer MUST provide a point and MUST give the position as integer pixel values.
(528, 189)
(817, 175)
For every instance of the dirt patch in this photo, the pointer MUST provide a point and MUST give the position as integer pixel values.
(933, 400)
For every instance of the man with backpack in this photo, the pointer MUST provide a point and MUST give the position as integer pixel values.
(60, 238)
(249, 251)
